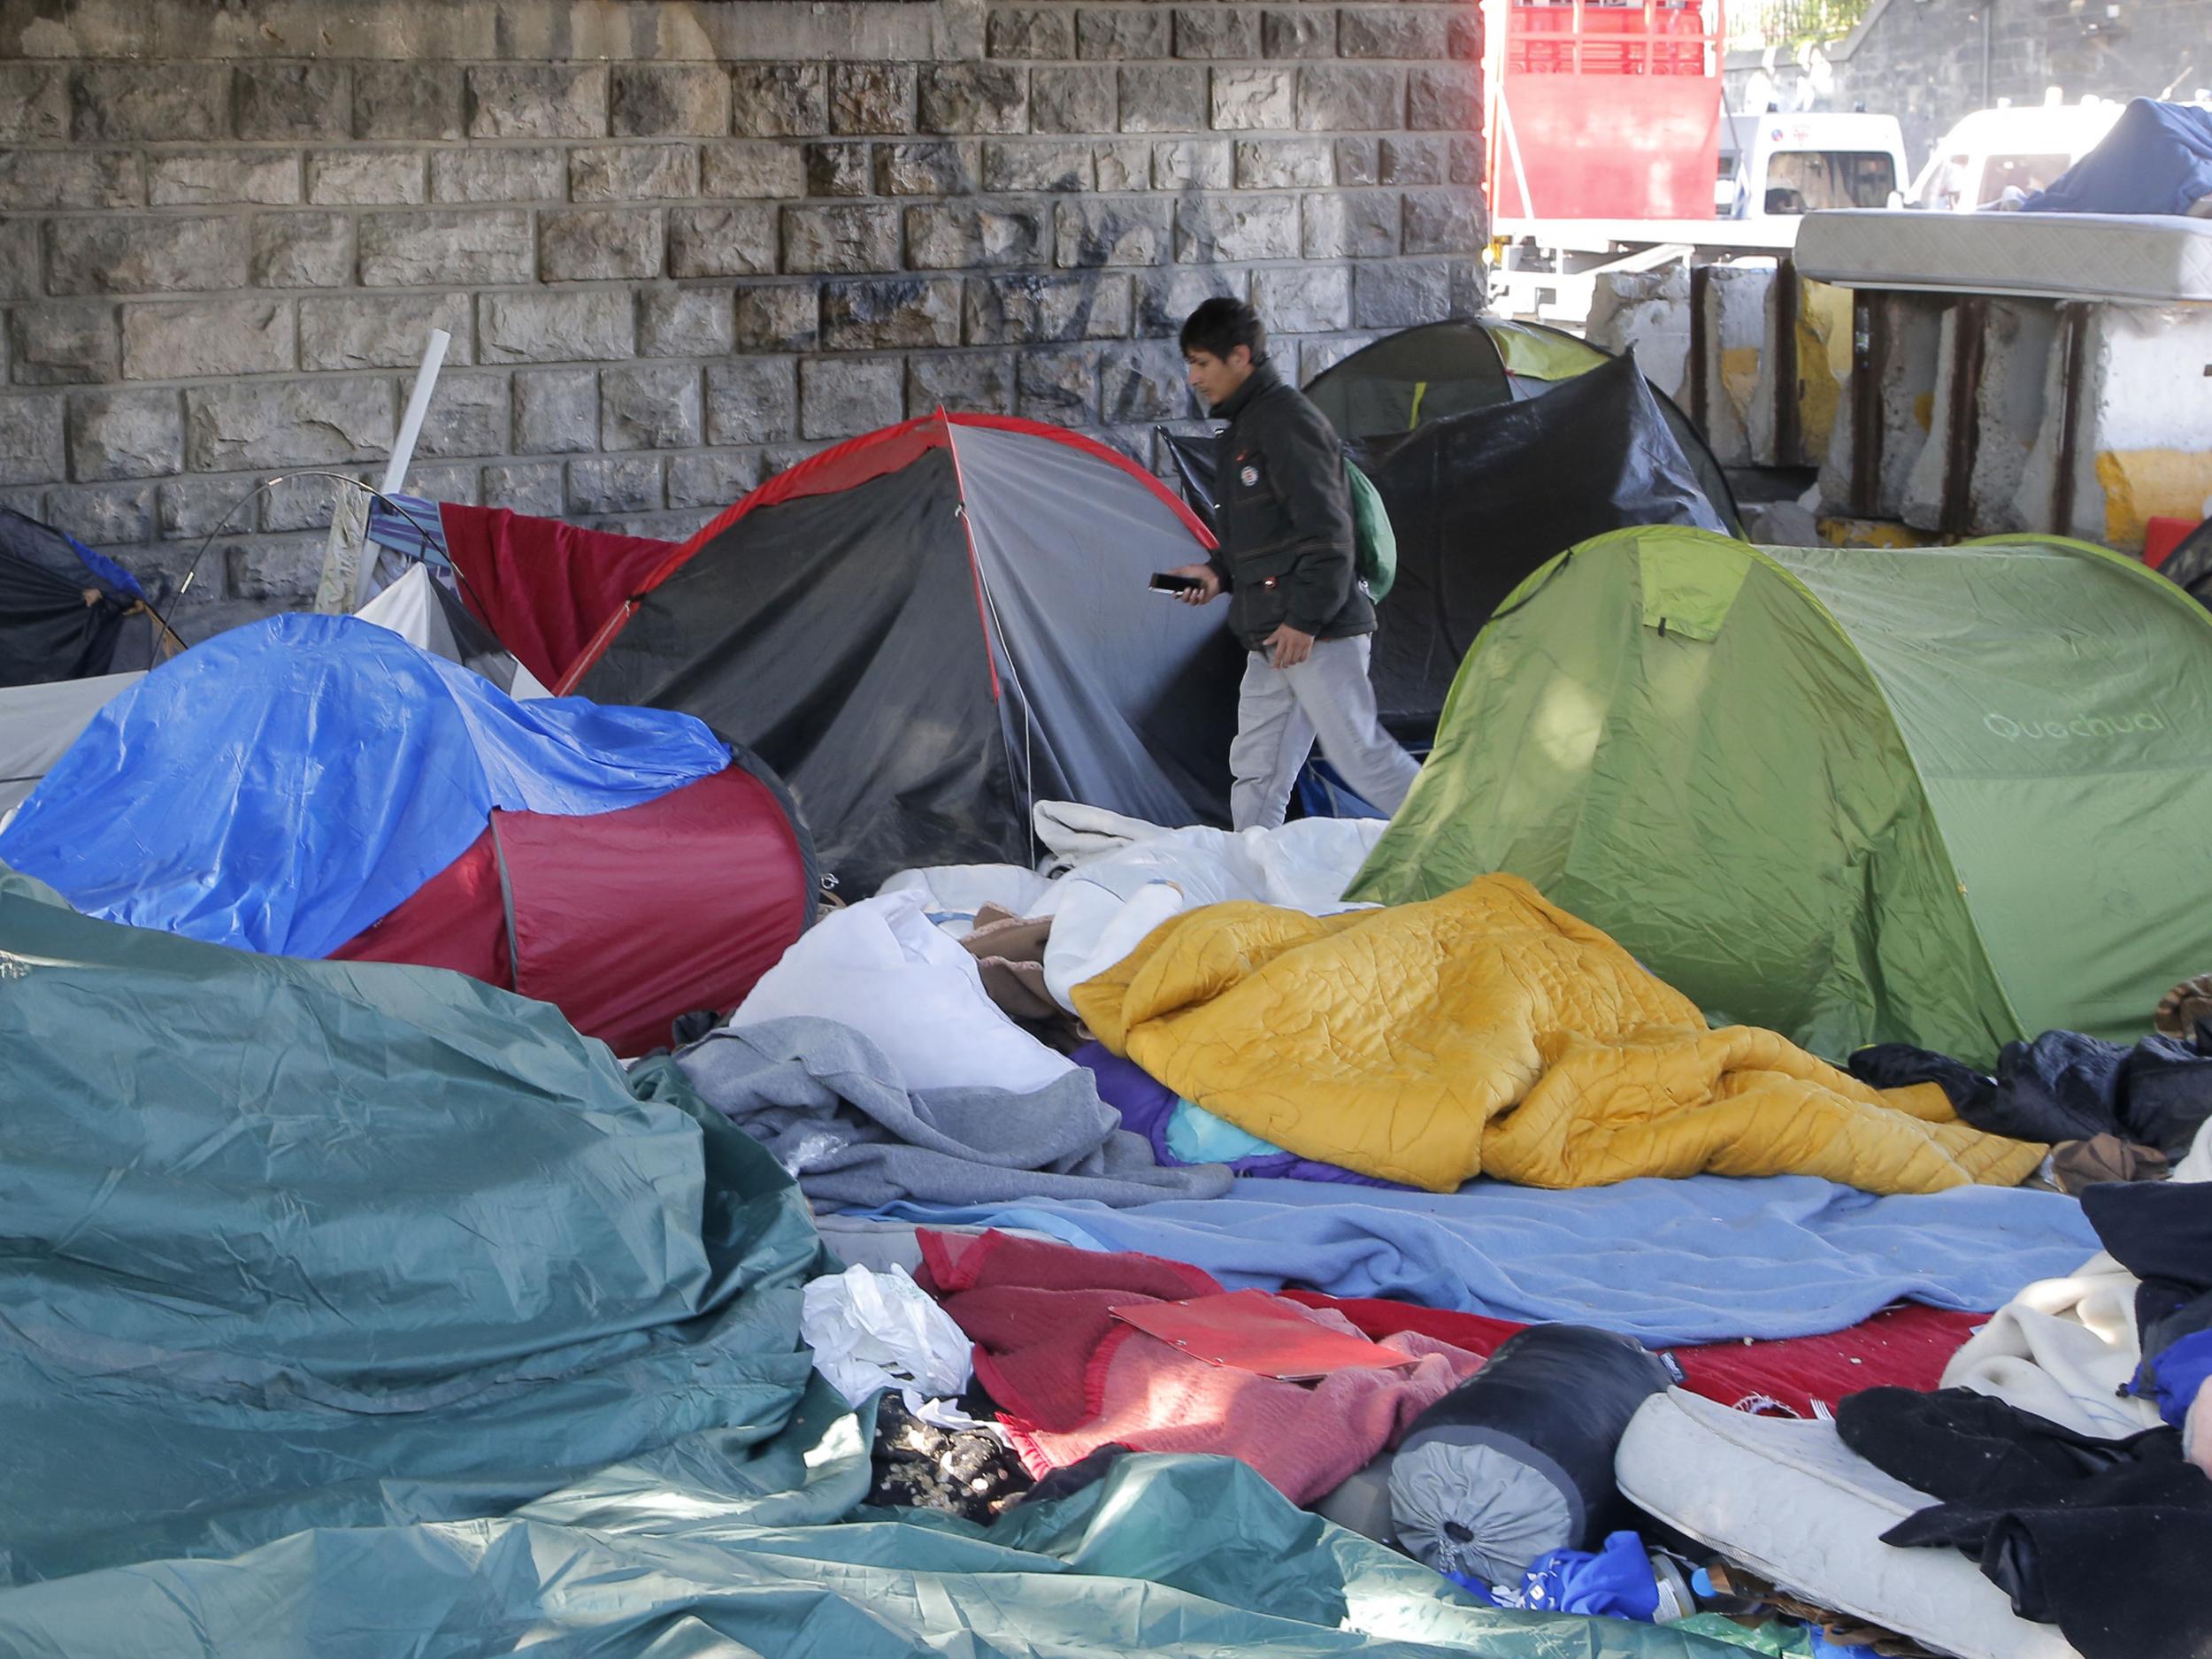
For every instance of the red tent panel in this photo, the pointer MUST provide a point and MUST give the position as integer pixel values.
(630, 919)
(457, 919)
(542, 587)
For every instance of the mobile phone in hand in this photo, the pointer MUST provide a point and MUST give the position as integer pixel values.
(1164, 582)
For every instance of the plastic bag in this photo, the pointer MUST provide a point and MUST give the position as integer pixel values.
(873, 1331)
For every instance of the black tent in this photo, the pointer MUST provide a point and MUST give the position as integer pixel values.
(62, 606)
(1479, 500)
(928, 629)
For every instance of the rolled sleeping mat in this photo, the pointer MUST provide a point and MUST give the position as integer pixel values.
(1518, 1459)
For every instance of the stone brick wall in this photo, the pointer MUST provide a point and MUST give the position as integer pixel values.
(677, 246)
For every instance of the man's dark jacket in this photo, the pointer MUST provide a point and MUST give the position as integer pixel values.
(1283, 516)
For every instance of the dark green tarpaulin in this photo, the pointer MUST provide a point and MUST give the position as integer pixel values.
(364, 1311)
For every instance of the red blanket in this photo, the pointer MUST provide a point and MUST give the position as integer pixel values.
(1069, 1377)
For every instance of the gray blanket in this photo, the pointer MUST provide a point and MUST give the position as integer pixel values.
(835, 1112)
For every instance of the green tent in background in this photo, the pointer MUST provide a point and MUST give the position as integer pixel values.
(1952, 797)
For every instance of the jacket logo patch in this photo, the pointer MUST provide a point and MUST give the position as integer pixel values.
(1250, 476)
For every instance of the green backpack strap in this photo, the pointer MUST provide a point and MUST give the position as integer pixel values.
(1375, 544)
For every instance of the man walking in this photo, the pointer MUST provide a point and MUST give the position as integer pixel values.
(1286, 559)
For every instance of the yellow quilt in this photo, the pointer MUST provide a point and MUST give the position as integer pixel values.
(1489, 1032)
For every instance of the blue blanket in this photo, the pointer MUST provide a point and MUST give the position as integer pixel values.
(2157, 158)
(1691, 1261)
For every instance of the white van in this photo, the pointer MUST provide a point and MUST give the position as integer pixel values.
(2023, 149)
(1785, 167)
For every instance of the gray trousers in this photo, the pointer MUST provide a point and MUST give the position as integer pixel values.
(1281, 711)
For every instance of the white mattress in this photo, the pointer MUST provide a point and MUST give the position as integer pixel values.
(2144, 258)
(1787, 1499)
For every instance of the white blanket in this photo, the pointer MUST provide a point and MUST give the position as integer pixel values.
(2061, 1348)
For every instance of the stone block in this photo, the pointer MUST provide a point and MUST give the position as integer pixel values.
(1450, 221)
(1399, 293)
(1247, 99)
(599, 244)
(1307, 299)
(853, 239)
(1014, 166)
(1166, 297)
(1414, 161)
(633, 173)
(1123, 164)
(717, 479)
(302, 504)
(926, 166)
(1216, 31)
(208, 339)
(1138, 33)
(778, 317)
(738, 241)
(1306, 32)
(1442, 100)
(1142, 382)
(871, 98)
(215, 178)
(615, 483)
(1059, 386)
(1073, 100)
(145, 254)
(290, 100)
(71, 179)
(1100, 231)
(102, 515)
(973, 98)
(302, 251)
(1192, 164)
(383, 178)
(31, 442)
(1393, 31)
(557, 411)
(885, 313)
(842, 398)
(779, 100)
(20, 278)
(536, 487)
(1349, 99)
(752, 399)
(838, 169)
(418, 101)
(34, 103)
(1471, 286)
(1351, 225)
(502, 173)
(1219, 229)
(1462, 34)
(69, 344)
(670, 101)
(649, 406)
(1163, 98)
(432, 248)
(278, 571)
(382, 330)
(967, 383)
(126, 103)
(1031, 309)
(747, 171)
(124, 434)
(288, 423)
(577, 326)
(1286, 164)
(1358, 161)
(966, 235)
(1031, 32)
(678, 322)
(537, 101)
(196, 506)
(1466, 155)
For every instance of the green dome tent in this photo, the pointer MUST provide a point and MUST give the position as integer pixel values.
(1953, 796)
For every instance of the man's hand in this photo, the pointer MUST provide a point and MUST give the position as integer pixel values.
(1209, 581)
(1290, 646)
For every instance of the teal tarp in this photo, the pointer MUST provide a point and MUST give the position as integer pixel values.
(367, 1311)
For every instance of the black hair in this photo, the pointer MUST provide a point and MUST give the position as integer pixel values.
(1220, 325)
